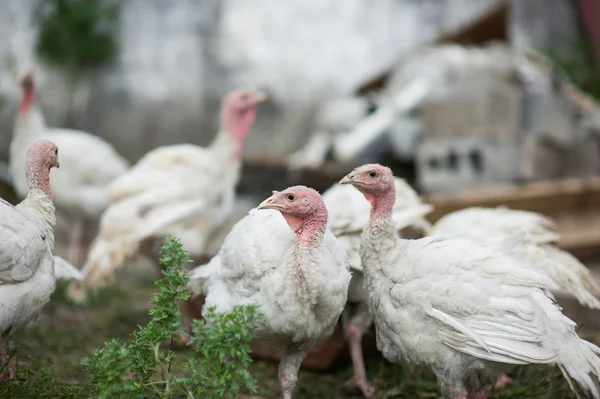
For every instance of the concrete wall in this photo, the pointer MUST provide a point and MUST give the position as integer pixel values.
(179, 57)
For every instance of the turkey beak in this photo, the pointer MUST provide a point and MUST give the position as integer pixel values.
(348, 179)
(269, 203)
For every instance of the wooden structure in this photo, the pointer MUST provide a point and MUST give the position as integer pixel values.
(573, 203)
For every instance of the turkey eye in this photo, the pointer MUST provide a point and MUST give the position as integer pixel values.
(373, 173)
(291, 197)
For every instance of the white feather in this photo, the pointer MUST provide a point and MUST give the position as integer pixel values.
(530, 237)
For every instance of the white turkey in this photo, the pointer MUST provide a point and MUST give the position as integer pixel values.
(89, 164)
(26, 241)
(460, 307)
(296, 272)
(183, 189)
(537, 250)
(348, 215)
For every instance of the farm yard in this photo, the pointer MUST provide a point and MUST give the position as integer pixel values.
(303, 199)
(66, 333)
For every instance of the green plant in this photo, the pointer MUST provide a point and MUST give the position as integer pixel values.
(220, 369)
(145, 368)
(579, 66)
(77, 34)
(44, 385)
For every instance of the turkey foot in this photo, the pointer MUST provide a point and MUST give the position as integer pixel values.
(359, 379)
(503, 381)
(481, 394)
(8, 370)
(182, 341)
(287, 393)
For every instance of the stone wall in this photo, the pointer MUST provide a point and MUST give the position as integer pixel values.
(179, 57)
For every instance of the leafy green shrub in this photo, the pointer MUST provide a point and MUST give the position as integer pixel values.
(579, 66)
(220, 369)
(78, 34)
(144, 368)
(44, 385)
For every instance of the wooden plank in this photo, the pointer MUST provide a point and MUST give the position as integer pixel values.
(262, 175)
(573, 203)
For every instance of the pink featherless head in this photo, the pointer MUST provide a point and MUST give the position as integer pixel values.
(303, 209)
(28, 87)
(376, 182)
(238, 111)
(41, 157)
(43, 154)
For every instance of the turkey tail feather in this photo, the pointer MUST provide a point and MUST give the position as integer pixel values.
(105, 256)
(580, 362)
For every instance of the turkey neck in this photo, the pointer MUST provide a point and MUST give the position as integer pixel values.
(382, 205)
(377, 240)
(28, 100)
(38, 205)
(309, 235)
(236, 124)
(30, 124)
(225, 146)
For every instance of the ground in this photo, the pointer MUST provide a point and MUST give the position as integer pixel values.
(65, 334)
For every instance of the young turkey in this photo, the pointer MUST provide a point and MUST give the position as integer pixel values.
(296, 272)
(26, 241)
(348, 215)
(537, 249)
(460, 307)
(182, 189)
(89, 164)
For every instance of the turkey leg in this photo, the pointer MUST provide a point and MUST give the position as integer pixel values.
(8, 371)
(359, 323)
(288, 371)
(475, 388)
(503, 381)
(76, 243)
(359, 379)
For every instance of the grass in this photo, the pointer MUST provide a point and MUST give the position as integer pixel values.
(50, 352)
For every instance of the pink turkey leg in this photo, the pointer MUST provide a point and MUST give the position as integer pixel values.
(481, 394)
(359, 379)
(76, 244)
(288, 371)
(503, 381)
(9, 371)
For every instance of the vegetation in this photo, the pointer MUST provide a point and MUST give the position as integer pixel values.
(579, 66)
(143, 367)
(78, 34)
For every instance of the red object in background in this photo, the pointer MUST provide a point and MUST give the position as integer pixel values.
(589, 14)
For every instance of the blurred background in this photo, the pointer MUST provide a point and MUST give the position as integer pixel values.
(395, 81)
